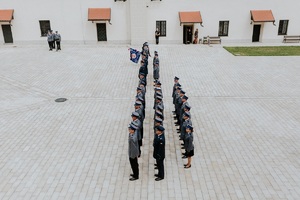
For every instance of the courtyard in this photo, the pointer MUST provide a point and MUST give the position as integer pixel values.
(245, 111)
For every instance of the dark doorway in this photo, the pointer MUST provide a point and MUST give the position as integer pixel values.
(256, 33)
(7, 33)
(187, 38)
(101, 32)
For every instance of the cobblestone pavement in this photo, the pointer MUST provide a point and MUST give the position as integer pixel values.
(245, 110)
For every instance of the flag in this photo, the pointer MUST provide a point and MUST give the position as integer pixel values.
(134, 55)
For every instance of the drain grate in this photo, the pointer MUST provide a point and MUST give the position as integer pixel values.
(59, 100)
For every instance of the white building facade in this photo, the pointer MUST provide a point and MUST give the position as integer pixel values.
(135, 21)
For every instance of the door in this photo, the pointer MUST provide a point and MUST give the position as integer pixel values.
(101, 32)
(256, 33)
(6, 28)
(187, 36)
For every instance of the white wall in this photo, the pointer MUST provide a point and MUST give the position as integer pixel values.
(69, 17)
(135, 20)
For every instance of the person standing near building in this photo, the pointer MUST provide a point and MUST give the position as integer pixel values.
(133, 152)
(50, 40)
(53, 39)
(157, 34)
(159, 152)
(57, 39)
(195, 37)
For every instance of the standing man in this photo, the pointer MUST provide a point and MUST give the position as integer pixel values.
(196, 36)
(50, 40)
(57, 38)
(176, 84)
(53, 39)
(133, 152)
(138, 124)
(157, 34)
(159, 152)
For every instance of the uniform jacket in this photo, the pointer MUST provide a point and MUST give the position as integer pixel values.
(143, 69)
(138, 130)
(155, 61)
(141, 114)
(133, 145)
(178, 102)
(183, 127)
(57, 37)
(156, 72)
(50, 37)
(159, 147)
(188, 144)
(182, 108)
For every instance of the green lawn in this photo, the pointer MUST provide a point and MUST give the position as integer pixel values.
(265, 51)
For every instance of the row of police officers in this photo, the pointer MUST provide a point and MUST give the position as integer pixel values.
(159, 136)
(184, 123)
(136, 126)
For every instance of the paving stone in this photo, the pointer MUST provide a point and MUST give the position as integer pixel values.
(245, 110)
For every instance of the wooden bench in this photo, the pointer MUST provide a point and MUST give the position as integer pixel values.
(291, 38)
(211, 40)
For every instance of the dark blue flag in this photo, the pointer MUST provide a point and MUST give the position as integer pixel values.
(134, 55)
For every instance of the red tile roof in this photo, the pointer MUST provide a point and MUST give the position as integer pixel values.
(190, 17)
(6, 15)
(99, 14)
(262, 16)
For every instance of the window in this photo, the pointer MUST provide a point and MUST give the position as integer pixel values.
(45, 27)
(223, 28)
(161, 25)
(283, 26)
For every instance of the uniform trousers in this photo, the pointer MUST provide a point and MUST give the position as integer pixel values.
(134, 166)
(58, 45)
(160, 166)
(50, 45)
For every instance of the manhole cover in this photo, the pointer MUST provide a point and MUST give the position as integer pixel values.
(61, 100)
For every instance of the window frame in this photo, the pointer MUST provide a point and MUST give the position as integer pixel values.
(281, 27)
(221, 31)
(162, 25)
(43, 27)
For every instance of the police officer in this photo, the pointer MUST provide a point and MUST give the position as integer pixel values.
(133, 152)
(159, 114)
(178, 104)
(143, 68)
(142, 85)
(159, 102)
(143, 79)
(146, 49)
(176, 84)
(156, 71)
(141, 117)
(184, 102)
(138, 124)
(159, 152)
(157, 122)
(155, 67)
(156, 94)
(139, 93)
(187, 108)
(188, 145)
(187, 121)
